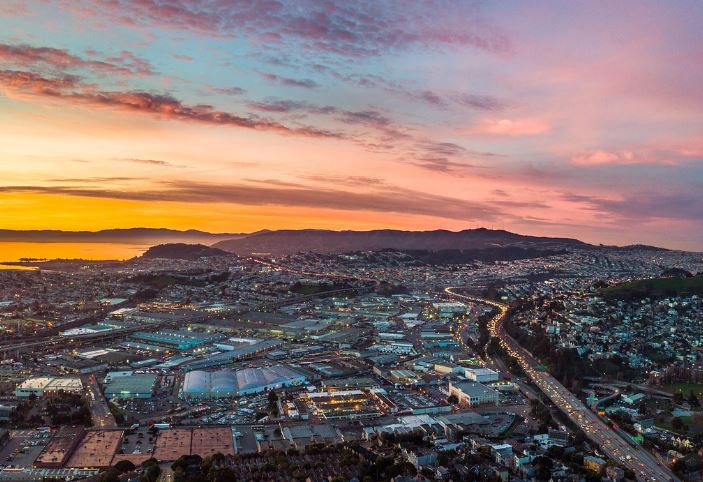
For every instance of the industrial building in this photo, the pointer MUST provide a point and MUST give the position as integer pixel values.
(239, 353)
(343, 404)
(60, 448)
(175, 339)
(134, 386)
(481, 375)
(48, 386)
(449, 309)
(227, 383)
(473, 393)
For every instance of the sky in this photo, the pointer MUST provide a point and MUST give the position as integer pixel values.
(581, 119)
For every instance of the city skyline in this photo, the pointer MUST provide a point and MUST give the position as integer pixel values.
(535, 117)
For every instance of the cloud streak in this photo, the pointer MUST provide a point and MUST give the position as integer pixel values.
(390, 200)
(70, 89)
(289, 81)
(350, 29)
(24, 55)
(646, 205)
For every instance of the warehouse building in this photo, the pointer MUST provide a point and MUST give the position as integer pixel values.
(228, 383)
(48, 386)
(473, 393)
(240, 353)
(207, 385)
(175, 339)
(481, 375)
(134, 386)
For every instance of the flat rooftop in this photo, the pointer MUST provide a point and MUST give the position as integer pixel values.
(211, 440)
(133, 384)
(173, 443)
(96, 449)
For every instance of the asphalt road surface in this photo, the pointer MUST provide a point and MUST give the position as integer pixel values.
(99, 410)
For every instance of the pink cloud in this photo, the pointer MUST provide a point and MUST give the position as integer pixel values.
(603, 158)
(511, 127)
(642, 155)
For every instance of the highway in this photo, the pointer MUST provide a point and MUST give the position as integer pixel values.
(644, 465)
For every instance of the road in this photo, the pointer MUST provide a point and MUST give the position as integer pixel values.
(614, 446)
(99, 410)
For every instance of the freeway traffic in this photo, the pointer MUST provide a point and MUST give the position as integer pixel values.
(614, 446)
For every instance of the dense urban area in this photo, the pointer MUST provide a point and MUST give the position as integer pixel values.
(578, 365)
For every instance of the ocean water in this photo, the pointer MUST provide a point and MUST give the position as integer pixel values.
(88, 251)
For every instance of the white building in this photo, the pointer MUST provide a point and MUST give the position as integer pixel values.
(48, 386)
(473, 393)
(227, 383)
(481, 375)
(397, 347)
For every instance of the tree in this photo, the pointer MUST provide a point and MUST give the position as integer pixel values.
(124, 466)
(445, 456)
(579, 438)
(677, 424)
(678, 397)
(110, 475)
(697, 422)
(151, 474)
(542, 462)
(150, 462)
(273, 403)
(453, 399)
(693, 400)
(222, 475)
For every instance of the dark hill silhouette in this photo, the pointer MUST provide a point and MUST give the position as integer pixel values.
(322, 241)
(183, 251)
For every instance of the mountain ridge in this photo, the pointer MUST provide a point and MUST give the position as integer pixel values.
(289, 241)
(329, 241)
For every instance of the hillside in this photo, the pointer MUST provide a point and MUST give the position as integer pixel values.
(321, 241)
(183, 251)
(656, 288)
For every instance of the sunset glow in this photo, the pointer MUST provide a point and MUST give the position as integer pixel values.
(546, 118)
